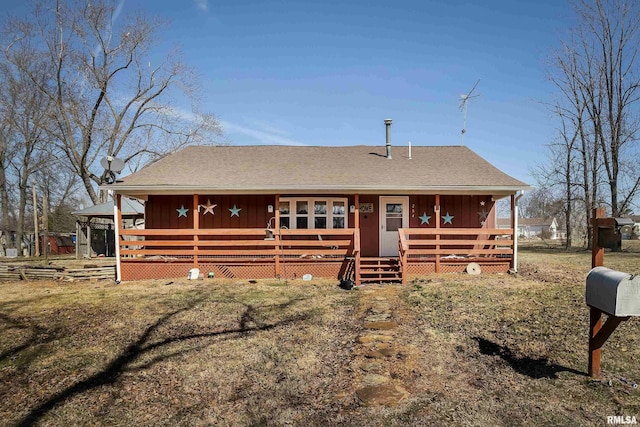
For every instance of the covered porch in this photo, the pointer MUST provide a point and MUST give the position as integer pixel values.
(279, 252)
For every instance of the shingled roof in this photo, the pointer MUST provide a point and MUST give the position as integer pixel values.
(362, 169)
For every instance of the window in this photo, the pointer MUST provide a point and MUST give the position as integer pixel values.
(315, 213)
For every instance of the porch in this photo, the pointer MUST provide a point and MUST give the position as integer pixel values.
(283, 253)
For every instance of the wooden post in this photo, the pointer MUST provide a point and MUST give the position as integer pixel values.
(45, 223)
(514, 236)
(597, 253)
(356, 237)
(436, 212)
(598, 332)
(35, 221)
(595, 315)
(276, 236)
(595, 324)
(117, 219)
(196, 227)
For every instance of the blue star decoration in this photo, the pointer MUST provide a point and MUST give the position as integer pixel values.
(447, 219)
(235, 211)
(182, 211)
(424, 219)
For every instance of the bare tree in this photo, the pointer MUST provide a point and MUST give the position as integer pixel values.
(609, 80)
(596, 73)
(109, 95)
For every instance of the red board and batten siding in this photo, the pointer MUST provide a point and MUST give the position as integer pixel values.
(161, 213)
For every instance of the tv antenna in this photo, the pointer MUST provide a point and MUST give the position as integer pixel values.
(464, 100)
(112, 166)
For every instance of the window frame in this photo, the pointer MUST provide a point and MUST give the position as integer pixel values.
(311, 215)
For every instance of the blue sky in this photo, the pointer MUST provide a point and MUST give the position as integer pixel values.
(329, 72)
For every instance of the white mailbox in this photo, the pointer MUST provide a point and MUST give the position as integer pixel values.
(613, 292)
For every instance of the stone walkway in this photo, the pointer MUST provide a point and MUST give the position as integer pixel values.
(377, 346)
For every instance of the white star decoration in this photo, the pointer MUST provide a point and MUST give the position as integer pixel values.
(182, 211)
(424, 219)
(482, 203)
(208, 208)
(235, 211)
(448, 218)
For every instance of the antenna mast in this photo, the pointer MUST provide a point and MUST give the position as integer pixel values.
(464, 100)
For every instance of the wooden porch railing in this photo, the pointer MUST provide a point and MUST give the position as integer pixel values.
(240, 244)
(453, 245)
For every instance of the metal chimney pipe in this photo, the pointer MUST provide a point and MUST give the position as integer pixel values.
(387, 123)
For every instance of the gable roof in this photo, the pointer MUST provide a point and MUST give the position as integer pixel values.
(256, 169)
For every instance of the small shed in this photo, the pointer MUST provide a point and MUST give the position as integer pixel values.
(95, 227)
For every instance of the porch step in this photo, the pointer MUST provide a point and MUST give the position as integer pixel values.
(379, 270)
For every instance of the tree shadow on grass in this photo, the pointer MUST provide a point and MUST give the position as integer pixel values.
(144, 345)
(35, 334)
(533, 368)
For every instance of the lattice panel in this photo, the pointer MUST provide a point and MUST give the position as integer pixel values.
(150, 270)
(421, 268)
(239, 271)
(154, 270)
(460, 267)
(330, 270)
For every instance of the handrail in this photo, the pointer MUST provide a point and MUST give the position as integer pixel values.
(249, 242)
(454, 244)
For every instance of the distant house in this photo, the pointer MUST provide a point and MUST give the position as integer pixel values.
(632, 232)
(534, 227)
(358, 212)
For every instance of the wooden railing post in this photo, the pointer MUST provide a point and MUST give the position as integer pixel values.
(403, 255)
(356, 248)
(196, 226)
(277, 237)
(436, 210)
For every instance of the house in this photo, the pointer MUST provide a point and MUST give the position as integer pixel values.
(538, 227)
(359, 212)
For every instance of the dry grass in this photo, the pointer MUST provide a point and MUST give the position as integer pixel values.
(489, 350)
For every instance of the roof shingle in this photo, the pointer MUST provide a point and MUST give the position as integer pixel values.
(351, 168)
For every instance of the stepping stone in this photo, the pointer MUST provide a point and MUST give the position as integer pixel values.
(387, 351)
(365, 339)
(374, 354)
(380, 308)
(375, 379)
(378, 317)
(381, 325)
(374, 367)
(382, 394)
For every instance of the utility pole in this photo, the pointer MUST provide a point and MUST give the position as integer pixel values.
(45, 223)
(35, 221)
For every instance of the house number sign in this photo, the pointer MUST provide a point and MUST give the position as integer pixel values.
(366, 207)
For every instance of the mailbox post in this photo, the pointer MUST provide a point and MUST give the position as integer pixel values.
(608, 292)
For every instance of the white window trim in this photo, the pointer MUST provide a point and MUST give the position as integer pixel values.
(311, 215)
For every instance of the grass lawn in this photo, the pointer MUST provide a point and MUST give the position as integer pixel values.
(485, 350)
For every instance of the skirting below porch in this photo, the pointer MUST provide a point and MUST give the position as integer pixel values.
(265, 268)
(262, 269)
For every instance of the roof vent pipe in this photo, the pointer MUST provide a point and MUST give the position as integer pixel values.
(387, 123)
